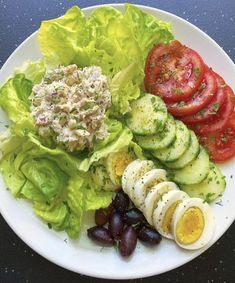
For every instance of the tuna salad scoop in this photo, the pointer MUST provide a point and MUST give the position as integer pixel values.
(70, 104)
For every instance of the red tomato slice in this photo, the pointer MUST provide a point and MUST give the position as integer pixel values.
(159, 50)
(231, 121)
(220, 120)
(173, 71)
(200, 99)
(220, 145)
(163, 51)
(209, 112)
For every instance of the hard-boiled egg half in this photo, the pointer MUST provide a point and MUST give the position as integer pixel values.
(193, 224)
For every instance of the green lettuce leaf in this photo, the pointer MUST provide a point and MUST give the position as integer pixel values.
(33, 71)
(72, 225)
(9, 142)
(48, 178)
(13, 178)
(54, 215)
(95, 199)
(114, 129)
(14, 97)
(61, 38)
(76, 194)
(26, 158)
(64, 160)
(33, 147)
(81, 198)
(67, 215)
(146, 29)
(20, 167)
(109, 40)
(24, 126)
(32, 193)
(123, 89)
(9, 148)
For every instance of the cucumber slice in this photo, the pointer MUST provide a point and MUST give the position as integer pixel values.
(195, 172)
(190, 154)
(148, 115)
(178, 148)
(209, 189)
(160, 140)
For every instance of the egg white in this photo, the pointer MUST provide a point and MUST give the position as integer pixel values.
(130, 169)
(134, 171)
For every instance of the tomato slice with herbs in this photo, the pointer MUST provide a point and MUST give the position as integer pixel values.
(173, 71)
(201, 98)
(208, 113)
(159, 50)
(220, 119)
(220, 145)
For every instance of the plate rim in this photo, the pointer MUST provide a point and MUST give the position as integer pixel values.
(103, 275)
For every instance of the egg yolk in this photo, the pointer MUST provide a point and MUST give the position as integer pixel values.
(190, 227)
(166, 223)
(120, 162)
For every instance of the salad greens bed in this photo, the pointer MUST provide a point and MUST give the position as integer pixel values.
(59, 183)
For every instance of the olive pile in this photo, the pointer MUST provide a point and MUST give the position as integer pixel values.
(122, 224)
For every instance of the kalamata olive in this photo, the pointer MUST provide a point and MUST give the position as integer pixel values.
(101, 217)
(133, 216)
(148, 235)
(116, 225)
(100, 235)
(121, 201)
(110, 210)
(128, 241)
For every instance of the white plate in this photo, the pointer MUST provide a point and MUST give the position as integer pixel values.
(82, 256)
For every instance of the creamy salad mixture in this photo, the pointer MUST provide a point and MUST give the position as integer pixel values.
(70, 104)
